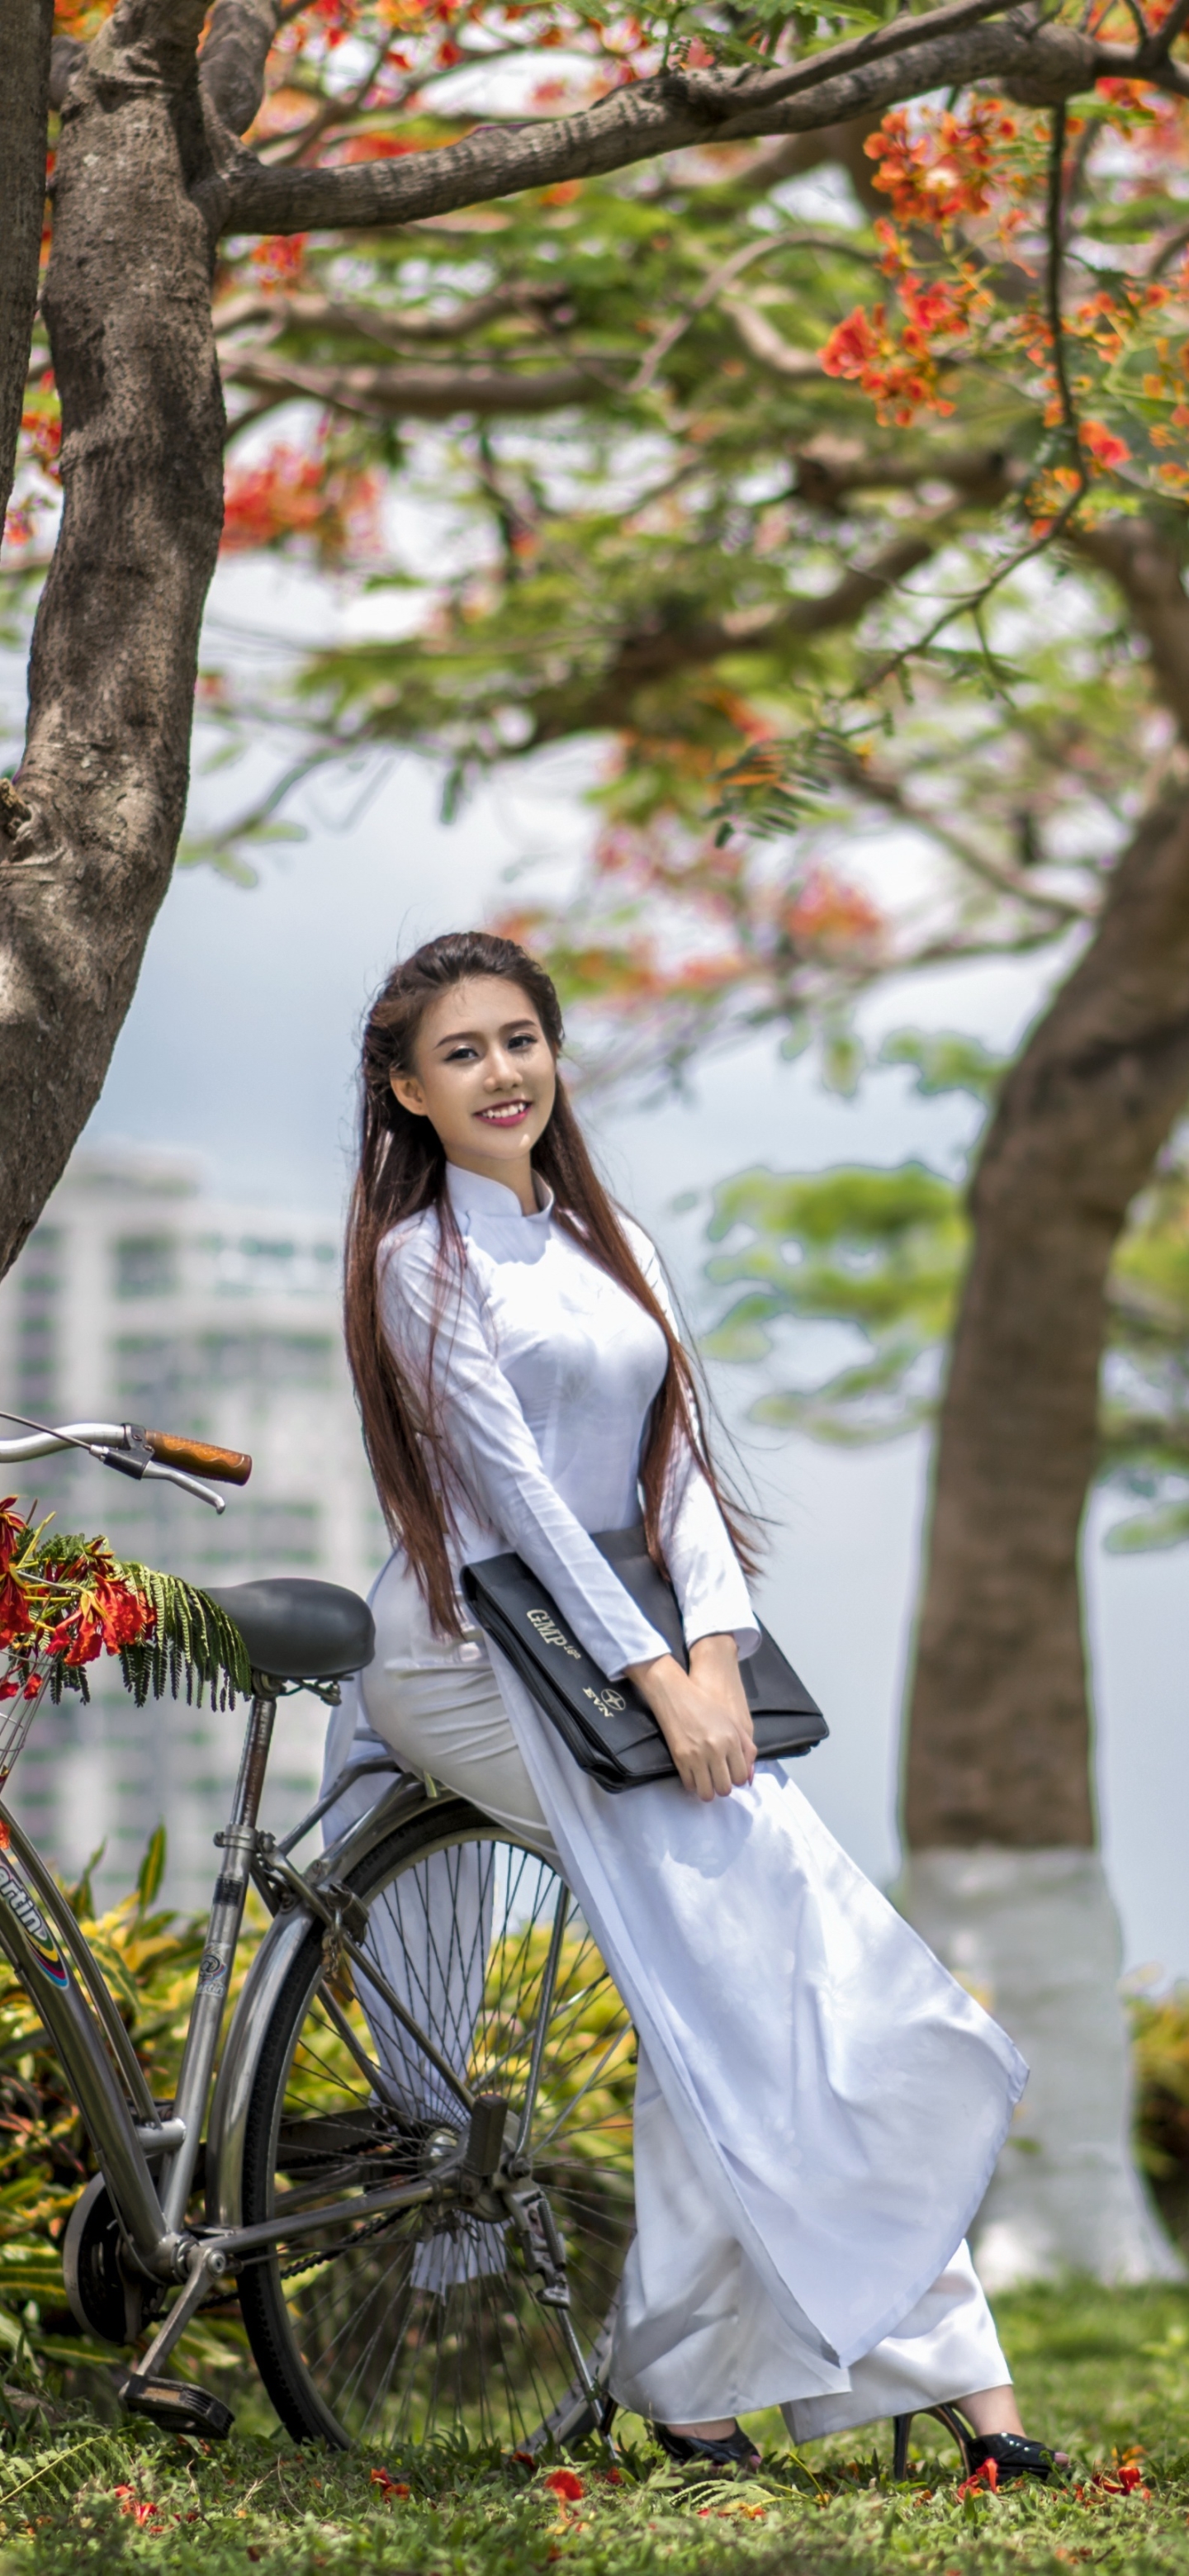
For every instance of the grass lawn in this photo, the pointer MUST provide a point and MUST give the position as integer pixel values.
(1102, 2374)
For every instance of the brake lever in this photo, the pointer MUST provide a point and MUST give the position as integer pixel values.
(135, 1461)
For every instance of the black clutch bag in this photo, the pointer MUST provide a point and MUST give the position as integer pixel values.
(606, 1725)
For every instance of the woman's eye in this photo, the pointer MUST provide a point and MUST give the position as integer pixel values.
(527, 1039)
(460, 1055)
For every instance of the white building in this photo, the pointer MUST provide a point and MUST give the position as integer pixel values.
(140, 1299)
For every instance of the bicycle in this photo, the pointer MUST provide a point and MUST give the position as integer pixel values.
(413, 2163)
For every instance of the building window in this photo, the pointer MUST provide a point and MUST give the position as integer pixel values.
(148, 1377)
(266, 1360)
(146, 1265)
(262, 1538)
(39, 1286)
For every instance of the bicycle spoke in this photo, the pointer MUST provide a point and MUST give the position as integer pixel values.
(475, 1963)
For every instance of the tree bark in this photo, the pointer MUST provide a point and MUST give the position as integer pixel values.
(25, 31)
(105, 772)
(999, 1741)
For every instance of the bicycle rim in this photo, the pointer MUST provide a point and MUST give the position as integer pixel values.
(406, 2326)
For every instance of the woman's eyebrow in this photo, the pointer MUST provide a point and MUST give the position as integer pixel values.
(456, 1037)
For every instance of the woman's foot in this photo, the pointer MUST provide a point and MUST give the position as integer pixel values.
(719, 2442)
(986, 2428)
(996, 2422)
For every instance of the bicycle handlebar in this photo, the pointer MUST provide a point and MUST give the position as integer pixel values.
(68, 1435)
(223, 1466)
(161, 1456)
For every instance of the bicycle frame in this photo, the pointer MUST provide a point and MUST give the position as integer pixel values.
(148, 2160)
(147, 2157)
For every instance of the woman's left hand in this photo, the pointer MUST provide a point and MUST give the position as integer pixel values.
(703, 1715)
(714, 1665)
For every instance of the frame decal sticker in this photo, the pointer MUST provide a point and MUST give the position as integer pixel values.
(33, 1924)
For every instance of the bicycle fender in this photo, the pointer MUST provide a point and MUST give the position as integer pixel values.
(239, 2061)
(394, 1807)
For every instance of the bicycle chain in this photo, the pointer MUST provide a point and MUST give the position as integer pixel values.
(306, 2262)
(327, 2254)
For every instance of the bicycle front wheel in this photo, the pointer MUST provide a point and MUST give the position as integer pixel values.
(401, 2325)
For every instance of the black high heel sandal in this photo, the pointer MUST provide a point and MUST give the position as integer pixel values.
(735, 2451)
(1014, 2456)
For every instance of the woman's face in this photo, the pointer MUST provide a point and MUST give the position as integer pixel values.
(484, 1076)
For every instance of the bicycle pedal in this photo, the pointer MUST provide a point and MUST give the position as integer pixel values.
(174, 2404)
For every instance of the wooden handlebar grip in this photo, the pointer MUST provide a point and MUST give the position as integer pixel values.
(197, 1458)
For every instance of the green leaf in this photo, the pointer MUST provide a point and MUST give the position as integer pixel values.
(945, 1060)
(1150, 1530)
(152, 1869)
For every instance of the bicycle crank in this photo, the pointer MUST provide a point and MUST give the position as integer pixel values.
(175, 2402)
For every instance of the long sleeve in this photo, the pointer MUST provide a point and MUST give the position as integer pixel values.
(704, 1570)
(496, 1456)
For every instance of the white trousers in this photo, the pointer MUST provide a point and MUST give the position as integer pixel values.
(697, 2336)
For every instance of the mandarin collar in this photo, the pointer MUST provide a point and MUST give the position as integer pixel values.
(472, 1194)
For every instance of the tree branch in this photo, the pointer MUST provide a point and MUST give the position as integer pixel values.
(801, 153)
(725, 275)
(415, 393)
(24, 88)
(233, 59)
(67, 54)
(333, 114)
(305, 312)
(1055, 226)
(1140, 560)
(828, 470)
(867, 780)
(769, 348)
(673, 111)
(661, 652)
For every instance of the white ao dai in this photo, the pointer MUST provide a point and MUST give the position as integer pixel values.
(819, 2105)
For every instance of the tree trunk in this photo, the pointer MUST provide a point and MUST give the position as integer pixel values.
(999, 1808)
(84, 867)
(25, 29)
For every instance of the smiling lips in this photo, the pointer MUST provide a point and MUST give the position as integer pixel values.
(504, 1113)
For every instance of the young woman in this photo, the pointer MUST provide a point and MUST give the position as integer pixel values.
(819, 2106)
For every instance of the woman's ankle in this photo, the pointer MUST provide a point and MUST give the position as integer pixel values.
(992, 2410)
(720, 2430)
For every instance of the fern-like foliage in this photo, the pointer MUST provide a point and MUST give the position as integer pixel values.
(191, 1646)
(65, 1599)
(193, 1642)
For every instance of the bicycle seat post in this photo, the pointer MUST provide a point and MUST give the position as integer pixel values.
(238, 1845)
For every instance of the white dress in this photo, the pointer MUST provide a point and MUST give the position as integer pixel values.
(819, 2106)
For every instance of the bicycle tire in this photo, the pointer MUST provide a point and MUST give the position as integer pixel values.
(410, 2326)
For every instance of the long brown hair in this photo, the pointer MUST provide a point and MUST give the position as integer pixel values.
(402, 1171)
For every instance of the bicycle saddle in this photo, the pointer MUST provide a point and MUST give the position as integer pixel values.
(297, 1630)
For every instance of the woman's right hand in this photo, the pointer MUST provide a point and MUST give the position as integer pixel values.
(705, 1720)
